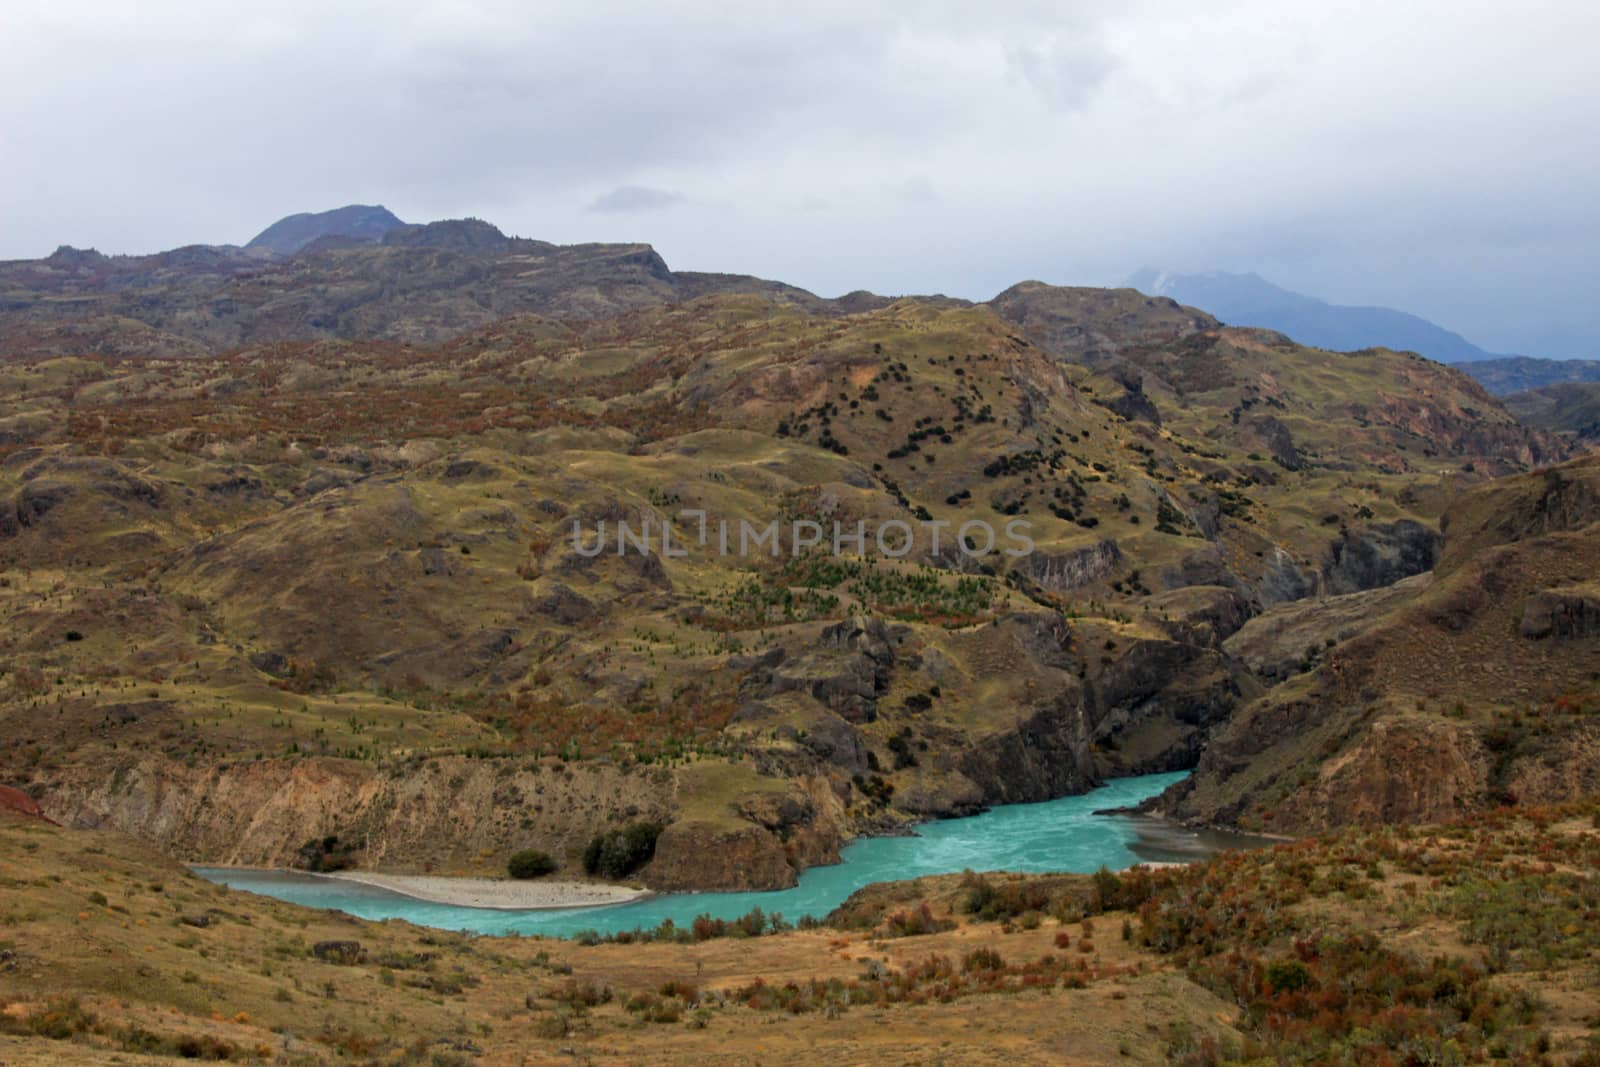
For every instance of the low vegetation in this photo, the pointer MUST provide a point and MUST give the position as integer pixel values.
(618, 853)
(530, 863)
(1435, 944)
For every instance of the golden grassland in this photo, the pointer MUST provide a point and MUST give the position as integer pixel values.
(1395, 945)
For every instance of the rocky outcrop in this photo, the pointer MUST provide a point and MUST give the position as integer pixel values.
(1276, 579)
(846, 673)
(1282, 580)
(1045, 755)
(1426, 707)
(1272, 772)
(562, 604)
(1156, 705)
(1149, 707)
(1289, 638)
(1202, 614)
(1548, 501)
(834, 741)
(1559, 772)
(1133, 404)
(763, 842)
(1404, 770)
(1062, 572)
(1279, 442)
(714, 856)
(1379, 555)
(446, 813)
(1570, 612)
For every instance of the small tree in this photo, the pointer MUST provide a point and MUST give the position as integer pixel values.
(618, 853)
(530, 863)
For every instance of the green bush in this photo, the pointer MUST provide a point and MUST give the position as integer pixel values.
(530, 863)
(618, 853)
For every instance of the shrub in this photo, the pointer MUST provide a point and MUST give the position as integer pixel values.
(59, 1020)
(1287, 976)
(982, 959)
(1009, 900)
(530, 863)
(326, 854)
(919, 920)
(618, 853)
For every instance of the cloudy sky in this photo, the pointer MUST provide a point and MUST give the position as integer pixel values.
(1438, 157)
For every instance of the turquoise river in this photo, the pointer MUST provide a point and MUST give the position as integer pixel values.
(1057, 835)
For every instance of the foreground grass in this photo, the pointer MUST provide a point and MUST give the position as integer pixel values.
(1442, 945)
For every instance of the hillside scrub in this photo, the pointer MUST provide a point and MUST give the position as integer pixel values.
(618, 853)
(530, 863)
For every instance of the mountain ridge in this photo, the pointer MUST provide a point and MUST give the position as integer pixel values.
(1516, 374)
(321, 508)
(358, 222)
(1251, 300)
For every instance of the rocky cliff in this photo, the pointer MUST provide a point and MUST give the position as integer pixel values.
(447, 814)
(1474, 690)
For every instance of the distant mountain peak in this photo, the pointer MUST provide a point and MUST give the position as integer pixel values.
(461, 235)
(1251, 300)
(365, 223)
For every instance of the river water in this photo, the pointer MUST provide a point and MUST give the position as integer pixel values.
(1056, 835)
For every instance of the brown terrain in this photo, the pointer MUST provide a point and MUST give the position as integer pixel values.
(286, 586)
(1467, 940)
(288, 578)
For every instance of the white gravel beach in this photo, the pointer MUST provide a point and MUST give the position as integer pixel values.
(496, 892)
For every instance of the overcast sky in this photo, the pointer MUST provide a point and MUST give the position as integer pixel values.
(1438, 157)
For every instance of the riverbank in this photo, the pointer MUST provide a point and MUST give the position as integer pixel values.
(1158, 841)
(1062, 835)
(496, 893)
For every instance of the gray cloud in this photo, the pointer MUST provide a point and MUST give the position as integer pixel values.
(1066, 72)
(634, 199)
(915, 191)
(1431, 155)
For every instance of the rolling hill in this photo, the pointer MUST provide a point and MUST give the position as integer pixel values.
(412, 547)
(1475, 689)
(1251, 300)
(1515, 374)
(1570, 408)
(311, 571)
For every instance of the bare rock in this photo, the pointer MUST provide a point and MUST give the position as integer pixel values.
(1562, 613)
(1062, 572)
(1380, 555)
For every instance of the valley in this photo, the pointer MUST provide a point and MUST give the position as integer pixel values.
(303, 564)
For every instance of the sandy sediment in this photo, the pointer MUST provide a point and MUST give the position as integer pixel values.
(496, 892)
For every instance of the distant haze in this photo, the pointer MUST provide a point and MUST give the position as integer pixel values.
(1433, 157)
(1251, 300)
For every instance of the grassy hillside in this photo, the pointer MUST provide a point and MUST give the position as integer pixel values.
(1515, 374)
(1571, 409)
(336, 581)
(1453, 943)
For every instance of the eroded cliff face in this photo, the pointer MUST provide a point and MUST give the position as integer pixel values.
(448, 813)
(769, 841)
(1476, 687)
(451, 815)
(1083, 703)
(1379, 556)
